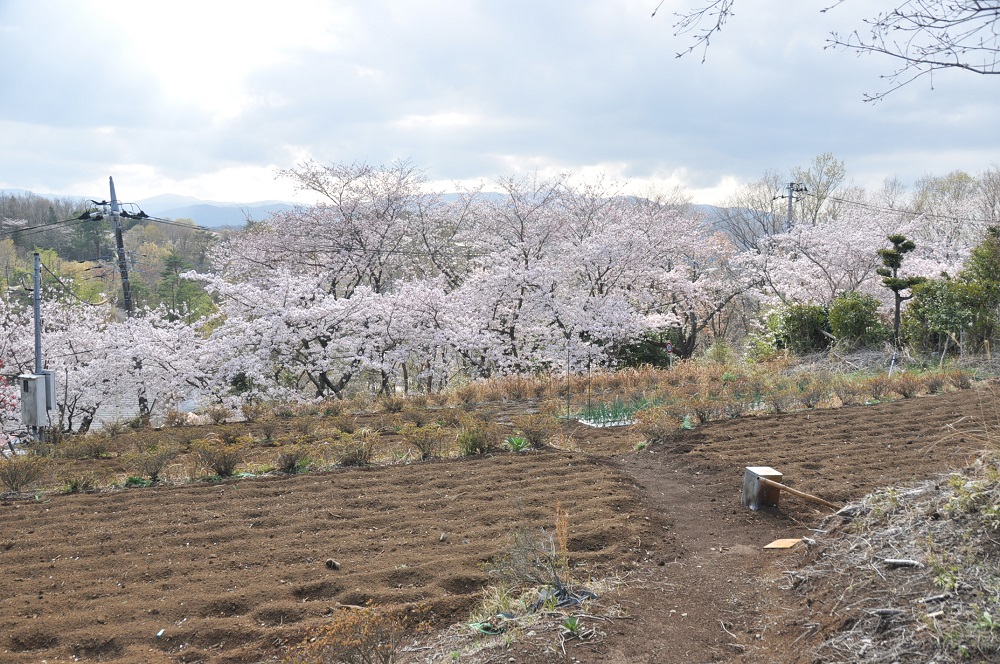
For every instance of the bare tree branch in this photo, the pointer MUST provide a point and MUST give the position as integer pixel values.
(714, 14)
(923, 36)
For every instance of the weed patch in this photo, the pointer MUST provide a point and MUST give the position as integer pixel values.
(21, 471)
(150, 462)
(477, 437)
(354, 636)
(219, 456)
(292, 459)
(357, 449)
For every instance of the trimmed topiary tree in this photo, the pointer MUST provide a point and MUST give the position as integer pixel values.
(892, 261)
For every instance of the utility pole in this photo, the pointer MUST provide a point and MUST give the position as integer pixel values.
(793, 188)
(116, 215)
(37, 297)
(38, 389)
(120, 246)
(38, 431)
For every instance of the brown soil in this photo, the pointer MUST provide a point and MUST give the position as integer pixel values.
(235, 571)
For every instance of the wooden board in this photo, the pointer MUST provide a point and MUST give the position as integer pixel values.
(783, 543)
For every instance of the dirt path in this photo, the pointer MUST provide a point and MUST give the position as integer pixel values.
(706, 575)
(710, 593)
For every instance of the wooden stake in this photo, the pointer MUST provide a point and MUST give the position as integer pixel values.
(795, 492)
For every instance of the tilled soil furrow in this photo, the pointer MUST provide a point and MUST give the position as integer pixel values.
(230, 571)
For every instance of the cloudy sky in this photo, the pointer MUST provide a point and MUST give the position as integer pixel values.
(210, 98)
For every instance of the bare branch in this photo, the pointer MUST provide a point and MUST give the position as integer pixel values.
(922, 36)
(925, 36)
(716, 12)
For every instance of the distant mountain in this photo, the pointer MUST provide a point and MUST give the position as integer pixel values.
(15, 192)
(217, 214)
(213, 214)
(170, 201)
(26, 192)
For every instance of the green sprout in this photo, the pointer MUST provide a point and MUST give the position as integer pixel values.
(517, 443)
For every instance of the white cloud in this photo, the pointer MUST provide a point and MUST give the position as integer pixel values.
(208, 98)
(449, 120)
(202, 54)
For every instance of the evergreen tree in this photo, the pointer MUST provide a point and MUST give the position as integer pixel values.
(892, 261)
(981, 275)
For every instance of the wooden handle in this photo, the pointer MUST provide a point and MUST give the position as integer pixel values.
(796, 492)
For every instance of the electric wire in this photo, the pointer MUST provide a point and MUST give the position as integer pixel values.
(70, 290)
(170, 222)
(41, 228)
(76, 353)
(890, 210)
(93, 216)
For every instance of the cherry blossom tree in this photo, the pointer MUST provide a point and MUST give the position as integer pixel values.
(385, 281)
(16, 355)
(9, 404)
(811, 264)
(93, 356)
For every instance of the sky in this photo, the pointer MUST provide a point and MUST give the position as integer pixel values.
(211, 99)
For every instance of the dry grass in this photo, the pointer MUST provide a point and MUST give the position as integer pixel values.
(537, 428)
(20, 472)
(219, 455)
(151, 461)
(428, 440)
(849, 392)
(292, 459)
(358, 448)
(96, 445)
(476, 436)
(658, 425)
(879, 387)
(907, 384)
(365, 635)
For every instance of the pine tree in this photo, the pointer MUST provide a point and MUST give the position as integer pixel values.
(892, 261)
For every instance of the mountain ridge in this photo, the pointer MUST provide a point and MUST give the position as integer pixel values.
(210, 214)
(222, 214)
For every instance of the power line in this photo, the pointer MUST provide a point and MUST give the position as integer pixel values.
(70, 290)
(400, 252)
(78, 352)
(878, 208)
(95, 216)
(41, 228)
(179, 224)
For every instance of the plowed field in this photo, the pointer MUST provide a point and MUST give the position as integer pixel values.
(236, 571)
